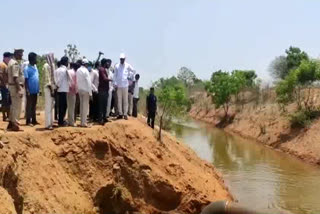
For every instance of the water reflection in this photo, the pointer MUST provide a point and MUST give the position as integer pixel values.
(257, 176)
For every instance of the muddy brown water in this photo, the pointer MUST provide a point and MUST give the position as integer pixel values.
(257, 176)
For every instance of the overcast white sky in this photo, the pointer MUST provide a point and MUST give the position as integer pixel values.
(161, 36)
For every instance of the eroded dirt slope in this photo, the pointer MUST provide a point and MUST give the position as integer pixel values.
(266, 124)
(112, 169)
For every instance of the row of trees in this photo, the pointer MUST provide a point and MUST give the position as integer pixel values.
(174, 92)
(295, 74)
(224, 85)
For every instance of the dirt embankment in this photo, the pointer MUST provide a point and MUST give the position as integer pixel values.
(266, 124)
(112, 169)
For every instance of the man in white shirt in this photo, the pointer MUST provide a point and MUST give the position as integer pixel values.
(94, 102)
(135, 96)
(62, 82)
(85, 91)
(72, 95)
(122, 73)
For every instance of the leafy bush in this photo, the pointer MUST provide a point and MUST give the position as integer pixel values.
(285, 89)
(299, 119)
(303, 118)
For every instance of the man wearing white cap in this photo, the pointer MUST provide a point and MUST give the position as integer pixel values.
(85, 91)
(122, 73)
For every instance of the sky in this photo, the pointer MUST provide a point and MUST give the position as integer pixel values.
(159, 37)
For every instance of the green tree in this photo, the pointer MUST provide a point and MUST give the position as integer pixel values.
(223, 85)
(294, 57)
(186, 76)
(279, 67)
(285, 90)
(248, 75)
(302, 77)
(173, 102)
(307, 73)
(222, 89)
(297, 87)
(163, 82)
(72, 52)
(217, 74)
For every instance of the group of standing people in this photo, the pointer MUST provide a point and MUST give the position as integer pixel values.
(70, 88)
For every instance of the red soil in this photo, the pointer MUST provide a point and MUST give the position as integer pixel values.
(112, 169)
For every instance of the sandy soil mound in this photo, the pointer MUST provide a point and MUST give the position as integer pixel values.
(112, 169)
(6, 202)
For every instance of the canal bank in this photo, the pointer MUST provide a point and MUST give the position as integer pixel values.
(267, 125)
(257, 176)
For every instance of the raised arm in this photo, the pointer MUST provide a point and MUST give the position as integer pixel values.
(132, 71)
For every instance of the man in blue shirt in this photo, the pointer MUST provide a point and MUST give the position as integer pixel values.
(31, 75)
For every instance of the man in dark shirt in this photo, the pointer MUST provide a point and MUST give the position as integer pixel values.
(103, 91)
(5, 95)
(151, 108)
